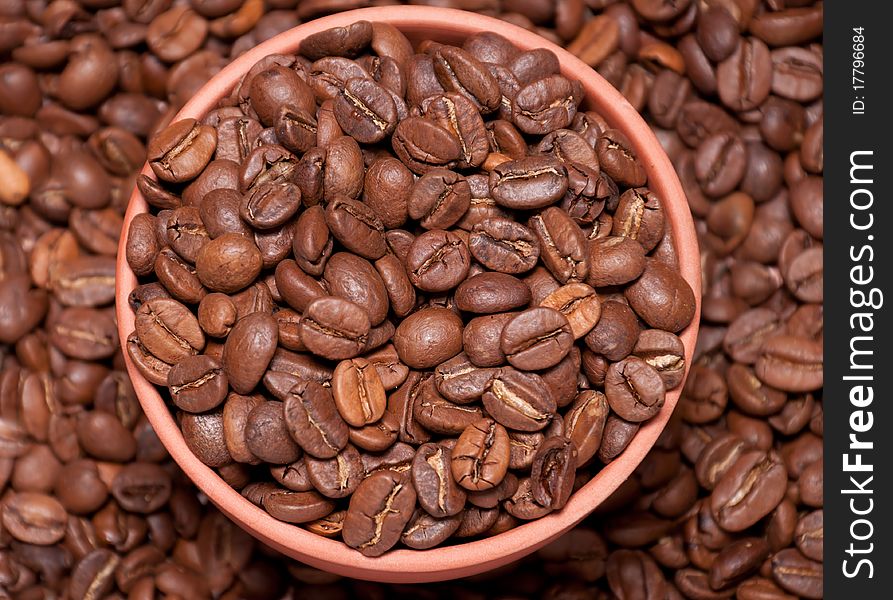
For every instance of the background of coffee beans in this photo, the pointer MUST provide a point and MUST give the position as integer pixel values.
(90, 500)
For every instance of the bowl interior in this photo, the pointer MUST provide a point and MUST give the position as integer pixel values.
(403, 565)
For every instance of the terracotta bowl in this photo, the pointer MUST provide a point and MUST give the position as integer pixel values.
(403, 565)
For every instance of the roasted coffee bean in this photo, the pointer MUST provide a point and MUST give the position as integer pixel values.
(544, 105)
(562, 245)
(197, 384)
(522, 504)
(744, 79)
(296, 507)
(267, 434)
(618, 159)
(313, 420)
(356, 226)
(439, 198)
(378, 512)
(756, 482)
(460, 381)
(422, 145)
(617, 435)
(491, 293)
(424, 531)
(432, 479)
(634, 389)
(336, 477)
(428, 337)
(537, 338)
(181, 151)
(616, 333)
(438, 415)
(797, 574)
(584, 424)
(791, 364)
(662, 298)
(481, 456)
(504, 245)
(33, 518)
(519, 400)
(437, 261)
(141, 487)
(528, 183)
(552, 473)
(248, 350)
(334, 328)
(358, 392)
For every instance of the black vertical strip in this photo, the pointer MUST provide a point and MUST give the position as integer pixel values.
(858, 264)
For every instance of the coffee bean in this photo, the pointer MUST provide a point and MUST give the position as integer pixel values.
(34, 518)
(267, 434)
(662, 298)
(336, 477)
(181, 151)
(378, 512)
(519, 400)
(248, 350)
(428, 337)
(480, 458)
(197, 383)
(758, 478)
(358, 392)
(528, 183)
(797, 574)
(537, 338)
(313, 420)
(552, 473)
(437, 261)
(437, 493)
(334, 328)
(504, 245)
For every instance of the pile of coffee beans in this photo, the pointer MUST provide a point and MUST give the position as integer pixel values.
(414, 292)
(70, 145)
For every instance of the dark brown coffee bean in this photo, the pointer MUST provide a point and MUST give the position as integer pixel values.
(537, 338)
(422, 145)
(491, 293)
(662, 298)
(618, 159)
(141, 487)
(248, 350)
(437, 261)
(181, 151)
(314, 421)
(378, 512)
(614, 260)
(797, 574)
(267, 434)
(480, 458)
(424, 531)
(528, 183)
(428, 337)
(312, 244)
(386, 190)
(617, 435)
(791, 364)
(168, 330)
(545, 104)
(34, 518)
(336, 477)
(504, 245)
(296, 507)
(460, 381)
(616, 332)
(334, 328)
(745, 78)
(634, 389)
(432, 479)
(552, 473)
(519, 400)
(197, 384)
(356, 227)
(365, 110)
(378, 436)
(758, 479)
